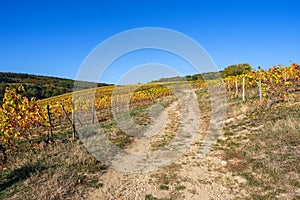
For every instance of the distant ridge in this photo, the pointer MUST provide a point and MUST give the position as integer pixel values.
(39, 86)
(195, 77)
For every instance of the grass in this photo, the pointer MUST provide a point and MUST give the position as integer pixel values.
(266, 157)
(169, 181)
(180, 187)
(41, 163)
(164, 187)
(169, 133)
(116, 135)
(269, 160)
(150, 197)
(61, 171)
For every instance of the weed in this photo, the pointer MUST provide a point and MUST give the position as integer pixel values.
(150, 197)
(164, 187)
(180, 187)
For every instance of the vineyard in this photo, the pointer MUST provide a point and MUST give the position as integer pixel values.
(272, 85)
(29, 119)
(37, 122)
(23, 118)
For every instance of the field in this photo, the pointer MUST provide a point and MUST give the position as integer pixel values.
(255, 157)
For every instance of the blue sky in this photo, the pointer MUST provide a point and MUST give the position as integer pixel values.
(54, 37)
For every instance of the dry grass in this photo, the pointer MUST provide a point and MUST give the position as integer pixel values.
(269, 158)
(262, 146)
(64, 169)
(169, 132)
(169, 180)
(60, 171)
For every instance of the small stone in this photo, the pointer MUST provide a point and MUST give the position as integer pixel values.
(223, 163)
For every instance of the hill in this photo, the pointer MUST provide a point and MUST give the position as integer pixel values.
(39, 86)
(255, 158)
(194, 77)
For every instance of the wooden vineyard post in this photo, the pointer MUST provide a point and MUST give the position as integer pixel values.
(228, 87)
(50, 137)
(285, 85)
(72, 122)
(236, 88)
(284, 78)
(93, 112)
(243, 89)
(3, 152)
(260, 92)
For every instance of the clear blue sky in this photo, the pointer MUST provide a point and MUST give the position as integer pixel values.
(54, 37)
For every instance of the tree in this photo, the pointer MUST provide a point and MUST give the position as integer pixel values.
(234, 70)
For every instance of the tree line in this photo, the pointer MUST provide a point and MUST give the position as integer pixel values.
(37, 86)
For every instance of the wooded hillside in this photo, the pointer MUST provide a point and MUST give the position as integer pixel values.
(39, 86)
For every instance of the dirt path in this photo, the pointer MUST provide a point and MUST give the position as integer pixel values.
(189, 177)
